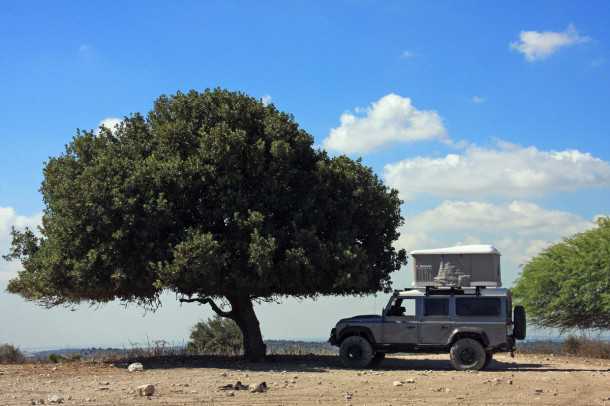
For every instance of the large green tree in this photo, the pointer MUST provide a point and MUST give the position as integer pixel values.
(567, 286)
(212, 195)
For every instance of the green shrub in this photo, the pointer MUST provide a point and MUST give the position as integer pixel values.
(56, 358)
(10, 354)
(216, 336)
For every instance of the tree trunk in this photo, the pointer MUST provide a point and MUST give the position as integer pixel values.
(242, 312)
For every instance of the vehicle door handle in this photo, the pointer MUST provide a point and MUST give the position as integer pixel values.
(444, 327)
(410, 327)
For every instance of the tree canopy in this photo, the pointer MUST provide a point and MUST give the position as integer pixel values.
(212, 195)
(567, 286)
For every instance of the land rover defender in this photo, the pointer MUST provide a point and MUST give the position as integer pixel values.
(471, 323)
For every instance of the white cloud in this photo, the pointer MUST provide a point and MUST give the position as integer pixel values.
(407, 55)
(390, 119)
(537, 45)
(519, 229)
(478, 99)
(507, 170)
(266, 100)
(109, 122)
(84, 48)
(8, 219)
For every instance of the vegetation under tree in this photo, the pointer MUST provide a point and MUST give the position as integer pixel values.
(218, 335)
(214, 196)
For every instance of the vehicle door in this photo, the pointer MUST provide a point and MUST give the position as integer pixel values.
(400, 322)
(436, 323)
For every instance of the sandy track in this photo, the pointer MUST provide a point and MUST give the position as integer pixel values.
(317, 381)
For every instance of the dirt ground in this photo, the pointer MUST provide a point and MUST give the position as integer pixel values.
(317, 380)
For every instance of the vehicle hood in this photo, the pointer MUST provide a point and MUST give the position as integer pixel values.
(363, 318)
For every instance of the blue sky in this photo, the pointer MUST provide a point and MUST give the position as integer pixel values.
(513, 98)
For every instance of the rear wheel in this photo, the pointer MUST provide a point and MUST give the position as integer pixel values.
(356, 352)
(468, 354)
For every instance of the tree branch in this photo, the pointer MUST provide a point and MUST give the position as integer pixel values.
(214, 306)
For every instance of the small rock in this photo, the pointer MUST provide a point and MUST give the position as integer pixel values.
(105, 383)
(135, 367)
(258, 388)
(224, 374)
(103, 388)
(348, 396)
(230, 393)
(538, 390)
(397, 383)
(55, 399)
(410, 380)
(146, 390)
(510, 381)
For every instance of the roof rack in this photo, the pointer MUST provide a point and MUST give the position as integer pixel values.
(453, 290)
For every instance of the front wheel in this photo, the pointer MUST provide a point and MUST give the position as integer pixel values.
(356, 352)
(488, 358)
(468, 354)
(377, 359)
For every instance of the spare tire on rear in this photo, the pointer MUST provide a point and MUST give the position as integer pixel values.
(519, 323)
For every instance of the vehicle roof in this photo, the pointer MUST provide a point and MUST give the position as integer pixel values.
(467, 292)
(460, 249)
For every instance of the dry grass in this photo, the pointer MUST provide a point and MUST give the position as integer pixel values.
(572, 346)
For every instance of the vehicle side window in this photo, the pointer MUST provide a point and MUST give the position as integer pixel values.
(488, 306)
(409, 305)
(436, 307)
(402, 307)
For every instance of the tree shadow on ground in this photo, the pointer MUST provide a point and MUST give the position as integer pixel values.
(324, 363)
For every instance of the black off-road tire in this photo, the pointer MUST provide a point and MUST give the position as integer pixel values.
(377, 359)
(519, 323)
(356, 352)
(468, 354)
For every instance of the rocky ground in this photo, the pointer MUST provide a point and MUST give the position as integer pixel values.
(401, 380)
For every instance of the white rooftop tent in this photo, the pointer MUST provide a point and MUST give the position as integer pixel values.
(464, 265)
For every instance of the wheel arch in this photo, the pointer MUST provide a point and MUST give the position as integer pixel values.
(356, 331)
(474, 333)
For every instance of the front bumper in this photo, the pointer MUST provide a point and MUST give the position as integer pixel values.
(333, 337)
